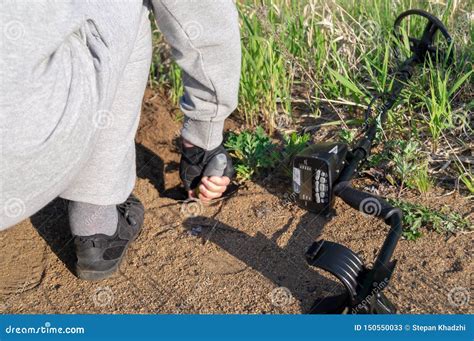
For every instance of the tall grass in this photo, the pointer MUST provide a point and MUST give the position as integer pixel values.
(301, 55)
(315, 49)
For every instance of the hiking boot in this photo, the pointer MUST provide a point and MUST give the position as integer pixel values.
(100, 255)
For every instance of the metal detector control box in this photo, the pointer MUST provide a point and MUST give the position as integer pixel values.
(315, 171)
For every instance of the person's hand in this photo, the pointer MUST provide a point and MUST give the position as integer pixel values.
(192, 166)
(210, 188)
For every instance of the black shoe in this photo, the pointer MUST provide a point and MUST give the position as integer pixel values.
(100, 255)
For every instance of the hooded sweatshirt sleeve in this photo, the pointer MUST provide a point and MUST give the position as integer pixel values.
(205, 42)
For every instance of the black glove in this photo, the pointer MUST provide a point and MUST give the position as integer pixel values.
(194, 161)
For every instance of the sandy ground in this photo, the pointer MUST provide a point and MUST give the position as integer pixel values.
(245, 254)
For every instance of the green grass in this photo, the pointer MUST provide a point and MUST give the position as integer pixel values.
(301, 56)
(416, 217)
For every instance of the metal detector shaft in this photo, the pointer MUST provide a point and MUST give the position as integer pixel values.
(363, 146)
(383, 266)
(325, 170)
(403, 74)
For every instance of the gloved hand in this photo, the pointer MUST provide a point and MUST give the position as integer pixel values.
(209, 172)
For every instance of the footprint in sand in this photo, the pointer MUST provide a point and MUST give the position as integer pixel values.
(222, 263)
(23, 259)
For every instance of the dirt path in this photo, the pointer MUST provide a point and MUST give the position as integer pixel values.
(245, 255)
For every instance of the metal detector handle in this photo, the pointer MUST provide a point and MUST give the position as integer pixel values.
(216, 166)
(375, 206)
(364, 202)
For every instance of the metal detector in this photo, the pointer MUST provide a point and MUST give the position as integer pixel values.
(323, 171)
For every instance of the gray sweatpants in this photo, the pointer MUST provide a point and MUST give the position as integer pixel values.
(72, 78)
(92, 159)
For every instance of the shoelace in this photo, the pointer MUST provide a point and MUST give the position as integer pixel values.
(94, 242)
(124, 209)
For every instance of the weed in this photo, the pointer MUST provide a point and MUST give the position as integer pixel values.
(347, 135)
(293, 144)
(375, 160)
(416, 217)
(420, 179)
(409, 166)
(253, 152)
(466, 177)
(468, 180)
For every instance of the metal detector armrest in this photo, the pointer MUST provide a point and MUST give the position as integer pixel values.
(364, 285)
(338, 260)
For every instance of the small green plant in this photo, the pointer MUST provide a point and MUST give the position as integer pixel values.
(253, 152)
(293, 144)
(376, 159)
(416, 216)
(439, 101)
(420, 178)
(409, 166)
(347, 135)
(438, 105)
(468, 180)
